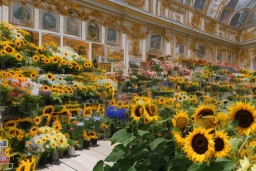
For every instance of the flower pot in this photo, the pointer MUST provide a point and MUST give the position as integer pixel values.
(86, 144)
(55, 156)
(94, 141)
(71, 151)
(61, 154)
(43, 160)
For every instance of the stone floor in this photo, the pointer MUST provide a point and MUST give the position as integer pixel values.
(83, 161)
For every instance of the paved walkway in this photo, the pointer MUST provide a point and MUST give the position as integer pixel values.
(84, 160)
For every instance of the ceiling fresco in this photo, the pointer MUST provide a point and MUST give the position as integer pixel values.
(237, 13)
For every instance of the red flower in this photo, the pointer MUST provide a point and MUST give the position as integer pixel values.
(11, 94)
(71, 129)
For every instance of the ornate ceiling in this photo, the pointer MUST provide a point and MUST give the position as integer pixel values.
(237, 13)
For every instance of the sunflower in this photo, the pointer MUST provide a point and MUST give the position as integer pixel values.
(50, 76)
(46, 88)
(48, 110)
(34, 130)
(87, 112)
(37, 120)
(203, 110)
(57, 126)
(53, 144)
(18, 43)
(137, 112)
(112, 102)
(221, 144)
(92, 134)
(35, 58)
(54, 59)
(222, 118)
(178, 138)
(245, 115)
(18, 56)
(151, 112)
(161, 100)
(181, 120)
(208, 122)
(199, 145)
(47, 61)
(104, 126)
(33, 74)
(9, 50)
(2, 52)
(48, 118)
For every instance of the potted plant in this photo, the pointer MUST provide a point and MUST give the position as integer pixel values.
(71, 148)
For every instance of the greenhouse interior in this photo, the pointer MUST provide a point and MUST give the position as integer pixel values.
(128, 85)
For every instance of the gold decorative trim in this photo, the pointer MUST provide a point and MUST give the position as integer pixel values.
(137, 3)
(210, 27)
(196, 21)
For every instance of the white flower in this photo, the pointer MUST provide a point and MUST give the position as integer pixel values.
(245, 164)
(253, 168)
(47, 146)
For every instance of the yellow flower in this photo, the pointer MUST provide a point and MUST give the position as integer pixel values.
(57, 126)
(50, 76)
(35, 58)
(151, 112)
(102, 125)
(221, 144)
(181, 120)
(92, 134)
(203, 110)
(87, 112)
(37, 120)
(199, 145)
(178, 138)
(34, 130)
(245, 115)
(9, 50)
(137, 112)
(18, 56)
(48, 110)
(33, 74)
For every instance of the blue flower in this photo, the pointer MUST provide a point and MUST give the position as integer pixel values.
(116, 113)
(26, 145)
(29, 154)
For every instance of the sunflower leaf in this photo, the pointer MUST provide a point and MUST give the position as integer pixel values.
(142, 132)
(99, 166)
(156, 143)
(116, 154)
(234, 143)
(120, 136)
(233, 124)
(132, 169)
(194, 167)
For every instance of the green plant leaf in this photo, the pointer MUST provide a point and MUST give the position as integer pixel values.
(194, 167)
(99, 166)
(125, 143)
(120, 136)
(142, 132)
(176, 129)
(233, 124)
(156, 143)
(132, 169)
(254, 151)
(234, 143)
(226, 164)
(116, 154)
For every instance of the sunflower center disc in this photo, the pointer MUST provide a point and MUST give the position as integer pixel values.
(206, 112)
(200, 144)
(182, 123)
(244, 118)
(218, 144)
(137, 111)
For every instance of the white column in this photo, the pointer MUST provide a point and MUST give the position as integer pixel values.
(37, 21)
(168, 48)
(103, 34)
(126, 53)
(90, 51)
(5, 13)
(166, 12)
(154, 7)
(146, 5)
(158, 12)
(83, 30)
(144, 49)
(61, 30)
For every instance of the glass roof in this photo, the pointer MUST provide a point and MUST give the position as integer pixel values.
(237, 13)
